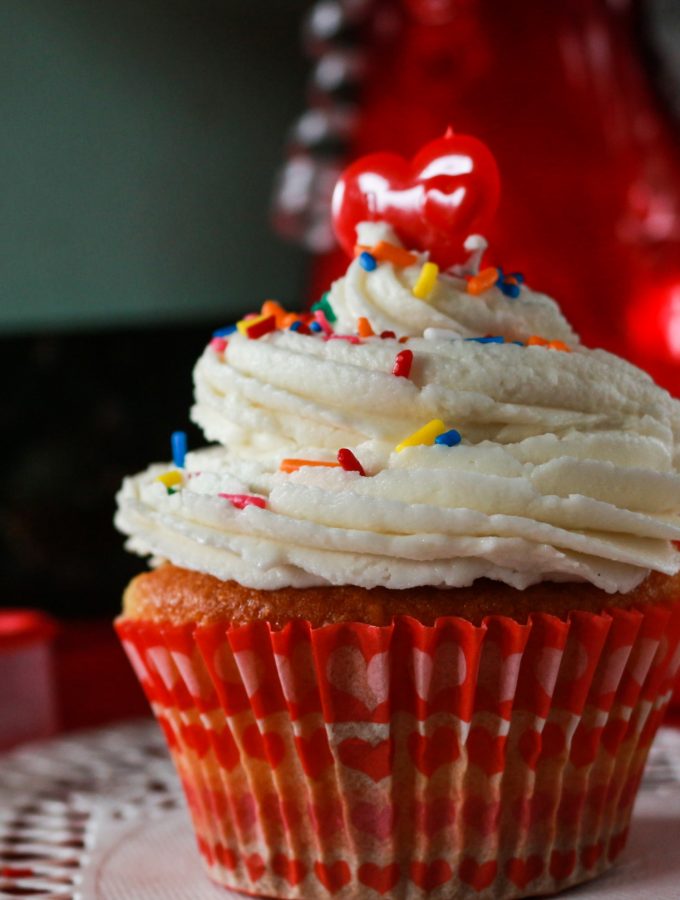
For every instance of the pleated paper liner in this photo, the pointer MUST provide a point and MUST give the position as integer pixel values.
(410, 761)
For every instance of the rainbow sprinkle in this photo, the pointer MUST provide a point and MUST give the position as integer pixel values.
(240, 501)
(219, 344)
(273, 308)
(320, 317)
(488, 339)
(425, 435)
(248, 321)
(292, 465)
(537, 341)
(261, 327)
(324, 306)
(426, 281)
(170, 479)
(364, 327)
(486, 279)
(178, 443)
(367, 261)
(224, 332)
(349, 462)
(449, 438)
(402, 364)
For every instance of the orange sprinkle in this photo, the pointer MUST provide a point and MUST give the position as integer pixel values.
(364, 327)
(537, 341)
(559, 345)
(272, 308)
(288, 320)
(482, 282)
(386, 252)
(292, 465)
(361, 248)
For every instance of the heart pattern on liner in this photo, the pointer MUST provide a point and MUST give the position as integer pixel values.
(329, 762)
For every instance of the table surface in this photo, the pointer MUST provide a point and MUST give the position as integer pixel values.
(99, 815)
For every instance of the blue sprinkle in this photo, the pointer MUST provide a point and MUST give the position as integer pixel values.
(495, 339)
(178, 442)
(368, 261)
(315, 327)
(519, 343)
(296, 326)
(223, 332)
(449, 438)
(510, 290)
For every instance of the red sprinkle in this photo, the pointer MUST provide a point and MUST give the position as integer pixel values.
(349, 462)
(219, 344)
(321, 318)
(351, 338)
(240, 501)
(387, 334)
(260, 328)
(402, 363)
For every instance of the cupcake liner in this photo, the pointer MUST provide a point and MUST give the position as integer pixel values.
(447, 761)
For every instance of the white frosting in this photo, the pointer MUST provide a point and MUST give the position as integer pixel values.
(567, 470)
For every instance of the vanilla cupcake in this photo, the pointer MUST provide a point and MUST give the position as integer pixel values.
(413, 619)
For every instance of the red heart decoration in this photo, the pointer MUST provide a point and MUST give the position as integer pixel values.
(374, 760)
(562, 864)
(381, 878)
(333, 876)
(584, 746)
(226, 857)
(293, 870)
(268, 745)
(523, 871)
(196, 737)
(486, 751)
(614, 732)
(226, 748)
(168, 731)
(315, 753)
(255, 865)
(439, 749)
(478, 875)
(590, 855)
(430, 876)
(205, 850)
(449, 190)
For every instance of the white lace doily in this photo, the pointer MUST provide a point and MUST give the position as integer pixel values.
(98, 815)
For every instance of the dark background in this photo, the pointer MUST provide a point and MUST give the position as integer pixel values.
(138, 149)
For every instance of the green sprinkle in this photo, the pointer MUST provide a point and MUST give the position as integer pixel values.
(325, 307)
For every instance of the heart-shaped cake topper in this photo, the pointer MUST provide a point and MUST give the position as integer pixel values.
(449, 190)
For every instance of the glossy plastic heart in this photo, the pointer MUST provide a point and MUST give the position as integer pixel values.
(448, 191)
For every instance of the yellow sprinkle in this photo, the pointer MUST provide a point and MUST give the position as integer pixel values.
(245, 324)
(171, 478)
(424, 435)
(426, 281)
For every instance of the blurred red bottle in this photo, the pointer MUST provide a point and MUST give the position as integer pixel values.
(589, 160)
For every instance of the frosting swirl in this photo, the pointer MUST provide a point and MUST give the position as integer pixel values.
(567, 469)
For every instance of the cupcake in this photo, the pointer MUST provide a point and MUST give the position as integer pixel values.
(412, 619)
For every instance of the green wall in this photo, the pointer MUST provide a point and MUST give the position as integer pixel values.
(138, 145)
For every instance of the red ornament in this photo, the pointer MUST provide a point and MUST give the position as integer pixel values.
(449, 190)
